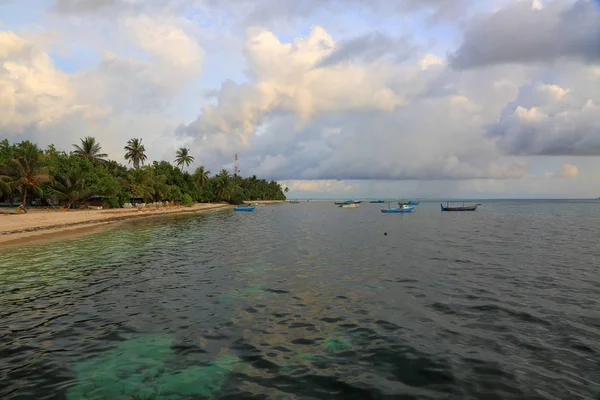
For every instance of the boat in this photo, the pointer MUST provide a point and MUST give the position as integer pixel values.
(253, 205)
(414, 203)
(294, 202)
(352, 205)
(377, 201)
(461, 208)
(403, 208)
(339, 203)
(356, 201)
(244, 208)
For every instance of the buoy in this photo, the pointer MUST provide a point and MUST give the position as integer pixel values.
(385, 233)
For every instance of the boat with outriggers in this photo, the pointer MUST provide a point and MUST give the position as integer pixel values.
(462, 207)
(402, 208)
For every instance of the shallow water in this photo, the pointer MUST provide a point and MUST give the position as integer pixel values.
(310, 301)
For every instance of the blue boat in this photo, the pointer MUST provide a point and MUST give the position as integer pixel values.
(357, 201)
(377, 201)
(244, 208)
(414, 203)
(402, 209)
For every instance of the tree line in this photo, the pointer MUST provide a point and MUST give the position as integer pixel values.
(27, 171)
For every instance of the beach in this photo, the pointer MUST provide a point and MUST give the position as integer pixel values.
(44, 224)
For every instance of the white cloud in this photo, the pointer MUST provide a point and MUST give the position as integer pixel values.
(33, 93)
(567, 171)
(391, 123)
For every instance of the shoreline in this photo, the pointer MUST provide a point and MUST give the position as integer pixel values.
(40, 225)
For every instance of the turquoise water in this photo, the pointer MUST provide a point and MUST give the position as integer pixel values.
(310, 301)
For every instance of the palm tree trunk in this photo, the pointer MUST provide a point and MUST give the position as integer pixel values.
(24, 196)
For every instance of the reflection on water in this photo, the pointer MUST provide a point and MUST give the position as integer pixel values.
(310, 301)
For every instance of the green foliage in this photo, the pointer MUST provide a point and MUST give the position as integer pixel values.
(187, 200)
(25, 170)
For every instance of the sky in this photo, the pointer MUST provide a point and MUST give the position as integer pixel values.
(332, 98)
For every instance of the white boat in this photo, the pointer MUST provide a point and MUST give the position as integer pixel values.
(353, 205)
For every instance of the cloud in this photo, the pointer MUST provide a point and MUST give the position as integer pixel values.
(368, 47)
(520, 33)
(33, 93)
(84, 6)
(117, 97)
(567, 171)
(547, 119)
(371, 119)
(287, 80)
(263, 12)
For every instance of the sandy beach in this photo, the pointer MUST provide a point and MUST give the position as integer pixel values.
(42, 224)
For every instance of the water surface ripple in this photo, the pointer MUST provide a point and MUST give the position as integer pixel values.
(310, 301)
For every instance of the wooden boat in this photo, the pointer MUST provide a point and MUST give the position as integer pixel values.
(353, 205)
(377, 201)
(461, 208)
(244, 208)
(339, 203)
(404, 208)
(414, 203)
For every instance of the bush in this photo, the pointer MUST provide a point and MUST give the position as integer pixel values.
(112, 202)
(187, 200)
(236, 201)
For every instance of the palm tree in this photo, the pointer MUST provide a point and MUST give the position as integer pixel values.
(287, 189)
(159, 186)
(223, 173)
(140, 183)
(71, 186)
(183, 157)
(224, 188)
(5, 188)
(135, 152)
(27, 172)
(90, 149)
(201, 176)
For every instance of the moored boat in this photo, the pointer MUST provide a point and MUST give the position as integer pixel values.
(460, 208)
(294, 202)
(403, 208)
(356, 201)
(414, 203)
(244, 208)
(352, 205)
(339, 203)
(377, 201)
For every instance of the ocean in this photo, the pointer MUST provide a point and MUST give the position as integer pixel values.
(311, 301)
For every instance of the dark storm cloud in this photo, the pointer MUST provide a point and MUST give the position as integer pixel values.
(522, 34)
